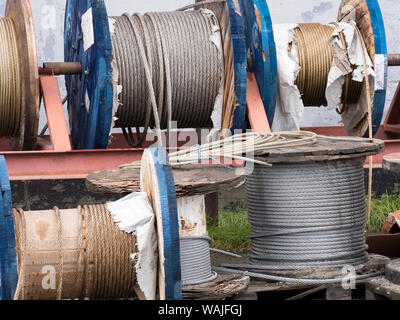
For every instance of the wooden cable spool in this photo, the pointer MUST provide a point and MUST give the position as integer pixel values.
(83, 248)
(20, 12)
(92, 94)
(261, 45)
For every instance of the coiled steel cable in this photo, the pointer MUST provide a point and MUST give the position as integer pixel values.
(10, 80)
(307, 214)
(297, 281)
(196, 260)
(104, 269)
(315, 59)
(185, 69)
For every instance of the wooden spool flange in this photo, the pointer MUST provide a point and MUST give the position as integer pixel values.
(391, 162)
(393, 271)
(190, 180)
(21, 13)
(326, 149)
(157, 181)
(261, 47)
(368, 17)
(91, 93)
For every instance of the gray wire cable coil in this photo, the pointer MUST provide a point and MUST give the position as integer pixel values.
(307, 215)
(196, 260)
(294, 280)
(185, 69)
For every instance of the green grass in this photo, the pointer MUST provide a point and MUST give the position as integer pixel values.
(231, 232)
(232, 229)
(380, 209)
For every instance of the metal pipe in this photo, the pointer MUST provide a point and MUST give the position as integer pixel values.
(61, 68)
(394, 60)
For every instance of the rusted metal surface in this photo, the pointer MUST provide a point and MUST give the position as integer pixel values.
(55, 113)
(61, 68)
(394, 59)
(47, 165)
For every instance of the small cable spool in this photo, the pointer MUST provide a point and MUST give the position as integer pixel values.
(73, 254)
(315, 58)
(196, 260)
(306, 215)
(263, 46)
(19, 76)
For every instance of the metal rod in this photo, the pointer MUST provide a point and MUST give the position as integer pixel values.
(394, 60)
(46, 126)
(61, 68)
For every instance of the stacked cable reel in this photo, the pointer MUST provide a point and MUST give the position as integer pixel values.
(308, 212)
(311, 47)
(90, 252)
(82, 253)
(144, 71)
(19, 76)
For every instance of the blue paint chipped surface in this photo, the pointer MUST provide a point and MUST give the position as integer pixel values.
(169, 211)
(8, 255)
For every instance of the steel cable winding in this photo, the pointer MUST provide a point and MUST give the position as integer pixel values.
(169, 68)
(196, 260)
(315, 59)
(307, 215)
(10, 80)
(104, 269)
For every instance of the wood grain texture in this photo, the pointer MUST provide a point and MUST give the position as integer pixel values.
(383, 287)
(368, 17)
(157, 181)
(223, 287)
(326, 149)
(220, 10)
(189, 180)
(21, 14)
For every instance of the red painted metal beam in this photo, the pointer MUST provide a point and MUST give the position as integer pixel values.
(55, 113)
(55, 160)
(49, 165)
(255, 106)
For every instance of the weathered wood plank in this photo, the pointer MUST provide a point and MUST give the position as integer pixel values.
(189, 180)
(222, 287)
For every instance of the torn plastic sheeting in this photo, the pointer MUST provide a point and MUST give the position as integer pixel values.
(340, 68)
(343, 62)
(355, 52)
(134, 214)
(289, 105)
(117, 88)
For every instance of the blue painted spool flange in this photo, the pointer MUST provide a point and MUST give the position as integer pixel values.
(90, 94)
(380, 48)
(240, 61)
(170, 226)
(262, 51)
(8, 253)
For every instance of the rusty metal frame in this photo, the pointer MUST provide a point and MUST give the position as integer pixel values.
(55, 158)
